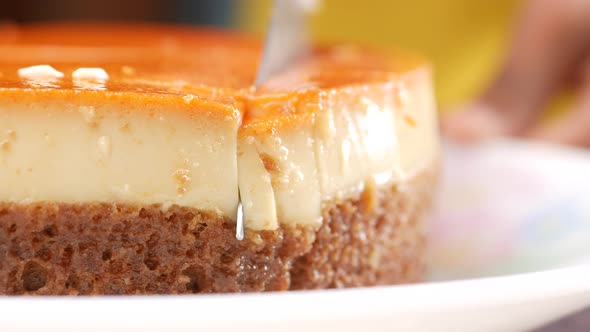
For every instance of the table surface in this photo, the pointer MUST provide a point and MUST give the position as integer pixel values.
(579, 322)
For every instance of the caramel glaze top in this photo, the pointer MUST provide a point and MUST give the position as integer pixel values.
(165, 64)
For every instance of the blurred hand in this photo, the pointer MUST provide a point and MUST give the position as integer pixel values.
(550, 50)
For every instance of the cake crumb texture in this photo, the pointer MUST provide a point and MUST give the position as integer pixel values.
(98, 248)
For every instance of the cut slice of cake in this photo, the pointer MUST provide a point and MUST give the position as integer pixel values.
(126, 150)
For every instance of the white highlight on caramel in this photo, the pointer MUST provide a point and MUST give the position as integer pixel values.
(90, 74)
(41, 72)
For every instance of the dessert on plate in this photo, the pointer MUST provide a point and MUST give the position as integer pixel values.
(126, 151)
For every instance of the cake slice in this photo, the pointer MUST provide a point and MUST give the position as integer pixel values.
(125, 151)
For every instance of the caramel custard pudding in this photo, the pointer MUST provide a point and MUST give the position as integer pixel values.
(125, 150)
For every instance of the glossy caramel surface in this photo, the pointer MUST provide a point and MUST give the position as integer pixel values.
(138, 58)
(165, 64)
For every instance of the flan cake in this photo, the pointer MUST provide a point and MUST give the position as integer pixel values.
(128, 153)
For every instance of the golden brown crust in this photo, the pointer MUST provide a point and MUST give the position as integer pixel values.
(122, 249)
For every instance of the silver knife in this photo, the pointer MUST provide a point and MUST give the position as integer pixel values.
(286, 41)
(286, 37)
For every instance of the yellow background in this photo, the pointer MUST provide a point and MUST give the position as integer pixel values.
(464, 39)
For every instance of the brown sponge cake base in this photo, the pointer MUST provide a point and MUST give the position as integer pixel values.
(71, 249)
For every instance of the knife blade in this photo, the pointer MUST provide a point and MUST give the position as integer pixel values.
(286, 41)
(286, 37)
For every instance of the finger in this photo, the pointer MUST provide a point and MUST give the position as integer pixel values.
(473, 123)
(574, 127)
(548, 43)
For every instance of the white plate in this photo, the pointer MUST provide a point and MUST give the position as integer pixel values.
(511, 251)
